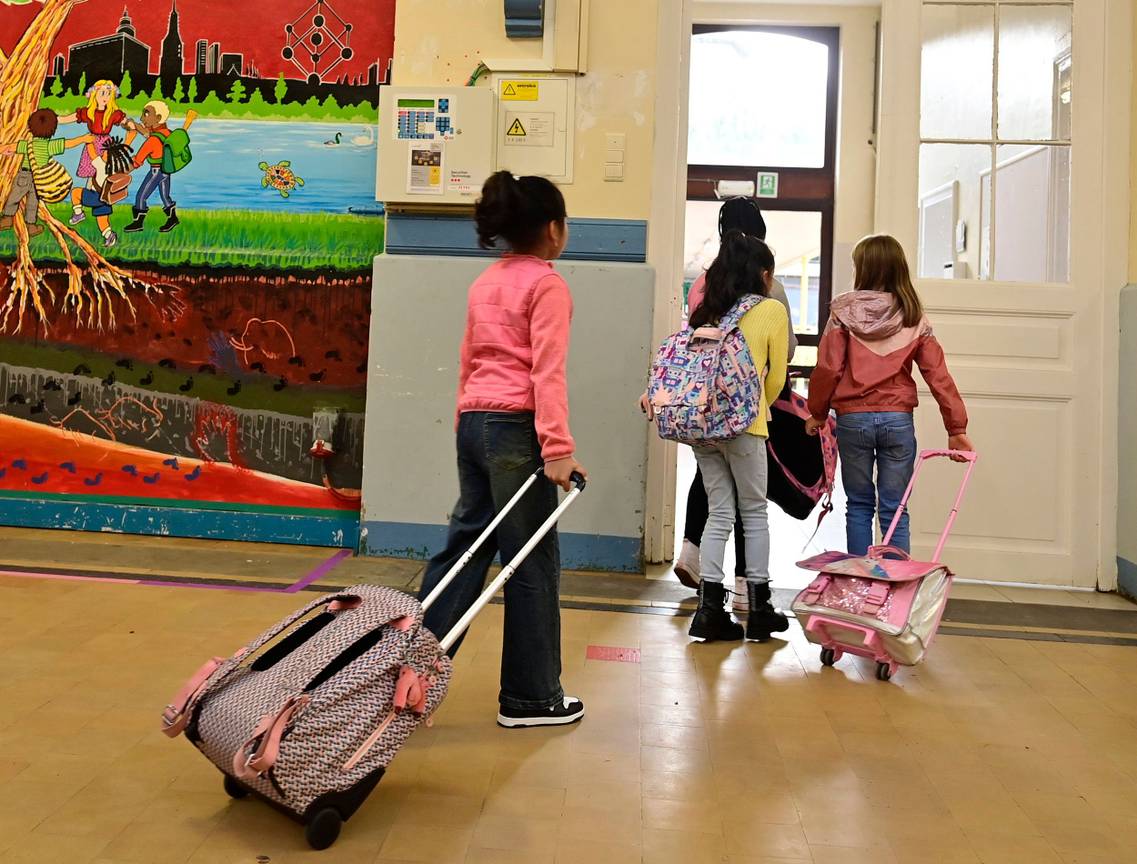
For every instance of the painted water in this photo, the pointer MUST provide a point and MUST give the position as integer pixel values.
(224, 174)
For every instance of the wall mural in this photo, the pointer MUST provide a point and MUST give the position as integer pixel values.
(185, 247)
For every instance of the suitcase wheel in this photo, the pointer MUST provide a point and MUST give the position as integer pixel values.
(883, 671)
(323, 828)
(828, 656)
(234, 789)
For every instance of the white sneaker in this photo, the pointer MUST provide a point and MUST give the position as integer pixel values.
(741, 601)
(687, 565)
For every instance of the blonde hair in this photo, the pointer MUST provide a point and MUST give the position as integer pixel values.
(880, 265)
(93, 101)
(160, 108)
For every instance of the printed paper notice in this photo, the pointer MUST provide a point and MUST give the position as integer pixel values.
(520, 91)
(530, 129)
(424, 176)
(462, 182)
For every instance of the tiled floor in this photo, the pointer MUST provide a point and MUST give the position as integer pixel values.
(996, 750)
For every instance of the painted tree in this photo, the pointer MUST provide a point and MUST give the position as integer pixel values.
(330, 104)
(126, 86)
(156, 93)
(179, 93)
(280, 90)
(192, 95)
(256, 101)
(237, 92)
(94, 286)
(57, 87)
(81, 90)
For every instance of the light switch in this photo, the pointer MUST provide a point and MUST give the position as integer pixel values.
(616, 141)
(615, 157)
(613, 173)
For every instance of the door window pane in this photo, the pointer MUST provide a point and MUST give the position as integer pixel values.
(953, 242)
(794, 238)
(1032, 214)
(957, 67)
(745, 110)
(1034, 42)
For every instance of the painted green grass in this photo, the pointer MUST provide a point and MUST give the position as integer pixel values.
(255, 394)
(229, 238)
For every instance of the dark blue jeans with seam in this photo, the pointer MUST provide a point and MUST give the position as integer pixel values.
(497, 452)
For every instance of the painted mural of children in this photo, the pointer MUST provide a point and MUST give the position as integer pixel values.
(101, 114)
(165, 152)
(40, 177)
(100, 195)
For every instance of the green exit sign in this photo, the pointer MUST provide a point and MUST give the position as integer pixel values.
(767, 184)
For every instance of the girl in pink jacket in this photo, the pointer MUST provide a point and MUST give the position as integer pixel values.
(512, 419)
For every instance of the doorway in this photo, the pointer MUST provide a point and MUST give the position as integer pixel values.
(778, 144)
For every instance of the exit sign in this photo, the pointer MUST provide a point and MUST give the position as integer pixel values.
(767, 184)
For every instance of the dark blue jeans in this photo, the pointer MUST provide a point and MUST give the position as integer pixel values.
(496, 454)
(885, 442)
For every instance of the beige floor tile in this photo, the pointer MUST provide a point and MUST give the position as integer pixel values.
(587, 851)
(518, 834)
(436, 845)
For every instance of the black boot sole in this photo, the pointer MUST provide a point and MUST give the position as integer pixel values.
(713, 636)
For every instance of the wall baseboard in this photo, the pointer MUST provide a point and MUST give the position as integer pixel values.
(578, 551)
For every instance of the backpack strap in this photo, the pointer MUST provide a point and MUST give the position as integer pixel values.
(734, 317)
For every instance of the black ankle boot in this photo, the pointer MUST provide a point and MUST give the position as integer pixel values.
(139, 219)
(172, 219)
(763, 619)
(712, 622)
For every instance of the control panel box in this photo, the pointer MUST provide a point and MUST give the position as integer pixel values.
(536, 124)
(436, 144)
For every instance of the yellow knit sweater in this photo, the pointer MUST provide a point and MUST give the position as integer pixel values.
(766, 330)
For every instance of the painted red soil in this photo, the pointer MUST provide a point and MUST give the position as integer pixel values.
(311, 332)
(38, 458)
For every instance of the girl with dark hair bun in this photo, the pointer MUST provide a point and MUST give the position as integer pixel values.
(745, 216)
(512, 419)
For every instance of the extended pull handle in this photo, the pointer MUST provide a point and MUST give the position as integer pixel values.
(970, 458)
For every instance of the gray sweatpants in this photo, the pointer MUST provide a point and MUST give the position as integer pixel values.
(23, 188)
(736, 464)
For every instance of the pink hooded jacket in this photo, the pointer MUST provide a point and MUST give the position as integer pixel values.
(864, 362)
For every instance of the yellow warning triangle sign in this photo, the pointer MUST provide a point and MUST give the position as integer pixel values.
(516, 130)
(509, 90)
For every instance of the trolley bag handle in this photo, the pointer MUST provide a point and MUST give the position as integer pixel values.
(507, 572)
(466, 558)
(966, 456)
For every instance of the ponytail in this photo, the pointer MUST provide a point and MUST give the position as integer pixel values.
(741, 268)
(517, 210)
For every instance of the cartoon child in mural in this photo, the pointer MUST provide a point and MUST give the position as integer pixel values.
(40, 178)
(101, 115)
(165, 152)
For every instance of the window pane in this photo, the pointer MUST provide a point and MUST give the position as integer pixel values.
(1032, 214)
(795, 239)
(956, 71)
(953, 230)
(1034, 72)
(757, 99)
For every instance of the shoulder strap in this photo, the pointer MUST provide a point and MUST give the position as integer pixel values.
(732, 318)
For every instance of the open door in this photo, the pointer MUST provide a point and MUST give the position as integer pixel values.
(1004, 174)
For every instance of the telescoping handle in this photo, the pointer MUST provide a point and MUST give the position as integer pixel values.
(450, 638)
(968, 457)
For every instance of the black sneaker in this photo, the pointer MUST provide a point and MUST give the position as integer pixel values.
(569, 711)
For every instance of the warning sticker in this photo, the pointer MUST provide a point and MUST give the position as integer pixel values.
(530, 128)
(520, 91)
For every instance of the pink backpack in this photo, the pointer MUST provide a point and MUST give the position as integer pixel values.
(802, 467)
(703, 386)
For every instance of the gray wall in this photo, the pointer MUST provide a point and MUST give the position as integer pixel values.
(409, 479)
(1127, 446)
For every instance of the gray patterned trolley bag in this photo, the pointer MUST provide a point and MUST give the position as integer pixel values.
(309, 714)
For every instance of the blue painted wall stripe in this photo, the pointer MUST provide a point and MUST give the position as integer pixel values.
(1127, 577)
(578, 551)
(623, 240)
(175, 522)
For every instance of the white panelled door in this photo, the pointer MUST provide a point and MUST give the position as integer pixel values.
(1004, 170)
